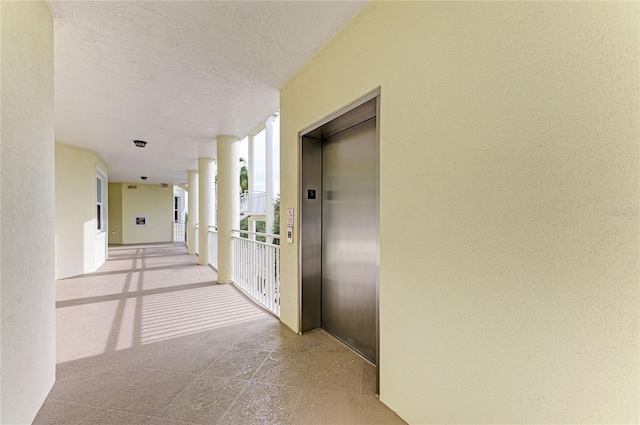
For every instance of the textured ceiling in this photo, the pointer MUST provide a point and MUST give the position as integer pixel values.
(177, 74)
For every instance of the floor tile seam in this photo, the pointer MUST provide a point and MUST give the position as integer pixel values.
(296, 404)
(91, 373)
(155, 413)
(250, 349)
(268, 356)
(83, 419)
(109, 400)
(168, 403)
(196, 377)
(156, 369)
(278, 384)
(340, 392)
(175, 421)
(220, 357)
(202, 344)
(360, 406)
(305, 387)
(232, 403)
(202, 372)
(92, 406)
(241, 391)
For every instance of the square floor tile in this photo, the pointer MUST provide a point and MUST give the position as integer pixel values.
(204, 401)
(262, 404)
(224, 335)
(55, 412)
(97, 387)
(152, 393)
(237, 364)
(284, 368)
(112, 417)
(340, 372)
(324, 407)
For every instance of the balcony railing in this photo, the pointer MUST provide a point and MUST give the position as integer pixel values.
(252, 202)
(179, 231)
(256, 269)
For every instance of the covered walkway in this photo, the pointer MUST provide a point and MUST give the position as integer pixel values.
(150, 339)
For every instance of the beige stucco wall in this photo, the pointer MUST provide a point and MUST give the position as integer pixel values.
(79, 247)
(27, 296)
(154, 202)
(509, 204)
(115, 213)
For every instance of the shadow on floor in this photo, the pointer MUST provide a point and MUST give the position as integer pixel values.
(143, 347)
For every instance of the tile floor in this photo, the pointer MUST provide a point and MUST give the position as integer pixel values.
(148, 339)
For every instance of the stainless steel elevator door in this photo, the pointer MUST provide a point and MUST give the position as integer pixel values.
(349, 237)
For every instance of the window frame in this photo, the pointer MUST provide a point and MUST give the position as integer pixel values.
(101, 221)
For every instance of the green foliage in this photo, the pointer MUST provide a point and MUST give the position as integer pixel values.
(244, 176)
(261, 226)
(276, 220)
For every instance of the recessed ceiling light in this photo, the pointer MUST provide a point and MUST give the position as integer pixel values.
(140, 143)
(143, 177)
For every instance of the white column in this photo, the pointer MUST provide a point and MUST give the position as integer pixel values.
(269, 138)
(228, 150)
(251, 174)
(251, 226)
(214, 196)
(192, 246)
(205, 201)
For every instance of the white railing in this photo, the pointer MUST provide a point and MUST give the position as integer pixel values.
(179, 231)
(253, 202)
(213, 247)
(256, 269)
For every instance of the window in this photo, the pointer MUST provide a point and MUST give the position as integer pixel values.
(176, 208)
(100, 202)
(99, 210)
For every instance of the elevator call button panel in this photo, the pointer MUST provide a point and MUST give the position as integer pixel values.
(290, 225)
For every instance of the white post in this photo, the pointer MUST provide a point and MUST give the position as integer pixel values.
(251, 226)
(269, 197)
(192, 248)
(205, 192)
(251, 174)
(214, 197)
(228, 148)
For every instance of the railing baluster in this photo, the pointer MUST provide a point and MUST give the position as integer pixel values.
(256, 269)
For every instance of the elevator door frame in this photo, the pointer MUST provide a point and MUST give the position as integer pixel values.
(302, 136)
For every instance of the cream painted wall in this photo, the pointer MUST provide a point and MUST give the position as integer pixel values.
(27, 170)
(79, 247)
(115, 213)
(154, 202)
(509, 204)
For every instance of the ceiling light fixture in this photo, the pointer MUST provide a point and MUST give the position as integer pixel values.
(140, 143)
(143, 177)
